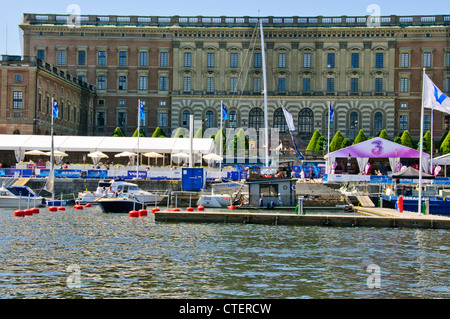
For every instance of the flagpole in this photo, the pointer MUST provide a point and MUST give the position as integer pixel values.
(266, 120)
(328, 139)
(52, 157)
(138, 134)
(221, 138)
(419, 200)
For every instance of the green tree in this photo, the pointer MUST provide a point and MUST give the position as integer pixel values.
(180, 132)
(361, 137)
(384, 134)
(426, 142)
(217, 141)
(398, 140)
(312, 143)
(199, 133)
(346, 143)
(241, 140)
(336, 142)
(141, 133)
(118, 132)
(445, 146)
(320, 144)
(406, 139)
(158, 133)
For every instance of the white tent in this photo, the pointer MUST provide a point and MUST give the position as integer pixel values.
(105, 144)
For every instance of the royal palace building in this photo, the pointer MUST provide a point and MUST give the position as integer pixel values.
(368, 68)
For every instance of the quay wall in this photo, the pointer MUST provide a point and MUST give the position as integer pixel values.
(302, 220)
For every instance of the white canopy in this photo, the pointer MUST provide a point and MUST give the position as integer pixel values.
(105, 144)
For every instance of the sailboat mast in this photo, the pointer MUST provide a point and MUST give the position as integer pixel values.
(266, 121)
(52, 157)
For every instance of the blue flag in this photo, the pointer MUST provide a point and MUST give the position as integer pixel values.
(331, 114)
(141, 111)
(55, 109)
(224, 112)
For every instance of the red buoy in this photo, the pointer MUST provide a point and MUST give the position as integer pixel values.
(400, 204)
(19, 213)
(142, 212)
(88, 205)
(156, 209)
(189, 209)
(35, 210)
(133, 213)
(176, 210)
(232, 207)
(78, 207)
(28, 212)
(61, 208)
(200, 208)
(52, 209)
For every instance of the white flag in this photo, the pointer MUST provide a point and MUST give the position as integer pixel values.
(433, 98)
(289, 119)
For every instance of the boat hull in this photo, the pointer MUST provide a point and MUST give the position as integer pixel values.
(437, 206)
(119, 205)
(13, 202)
(214, 201)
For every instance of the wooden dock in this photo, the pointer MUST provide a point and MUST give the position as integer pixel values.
(365, 217)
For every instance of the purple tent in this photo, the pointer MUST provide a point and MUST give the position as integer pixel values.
(377, 148)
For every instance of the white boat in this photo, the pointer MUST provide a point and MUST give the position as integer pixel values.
(214, 201)
(23, 196)
(113, 189)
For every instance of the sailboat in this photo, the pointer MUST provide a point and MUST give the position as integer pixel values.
(50, 184)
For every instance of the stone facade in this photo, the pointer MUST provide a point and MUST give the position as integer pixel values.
(28, 86)
(192, 64)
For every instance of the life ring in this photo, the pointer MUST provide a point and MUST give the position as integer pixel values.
(293, 187)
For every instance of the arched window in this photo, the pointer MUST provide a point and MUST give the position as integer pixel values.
(279, 121)
(306, 122)
(209, 119)
(185, 119)
(378, 121)
(256, 118)
(233, 119)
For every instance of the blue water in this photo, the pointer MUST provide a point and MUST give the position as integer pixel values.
(89, 254)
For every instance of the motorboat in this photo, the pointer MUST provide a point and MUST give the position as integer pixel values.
(214, 200)
(113, 189)
(437, 205)
(23, 196)
(123, 204)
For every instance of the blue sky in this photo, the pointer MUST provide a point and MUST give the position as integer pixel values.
(11, 12)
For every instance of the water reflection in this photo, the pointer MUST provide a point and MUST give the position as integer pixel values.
(129, 258)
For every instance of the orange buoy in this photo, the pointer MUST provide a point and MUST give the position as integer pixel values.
(176, 210)
(28, 212)
(61, 208)
(142, 212)
(400, 204)
(88, 205)
(133, 213)
(52, 209)
(189, 209)
(35, 210)
(232, 207)
(19, 213)
(200, 208)
(78, 207)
